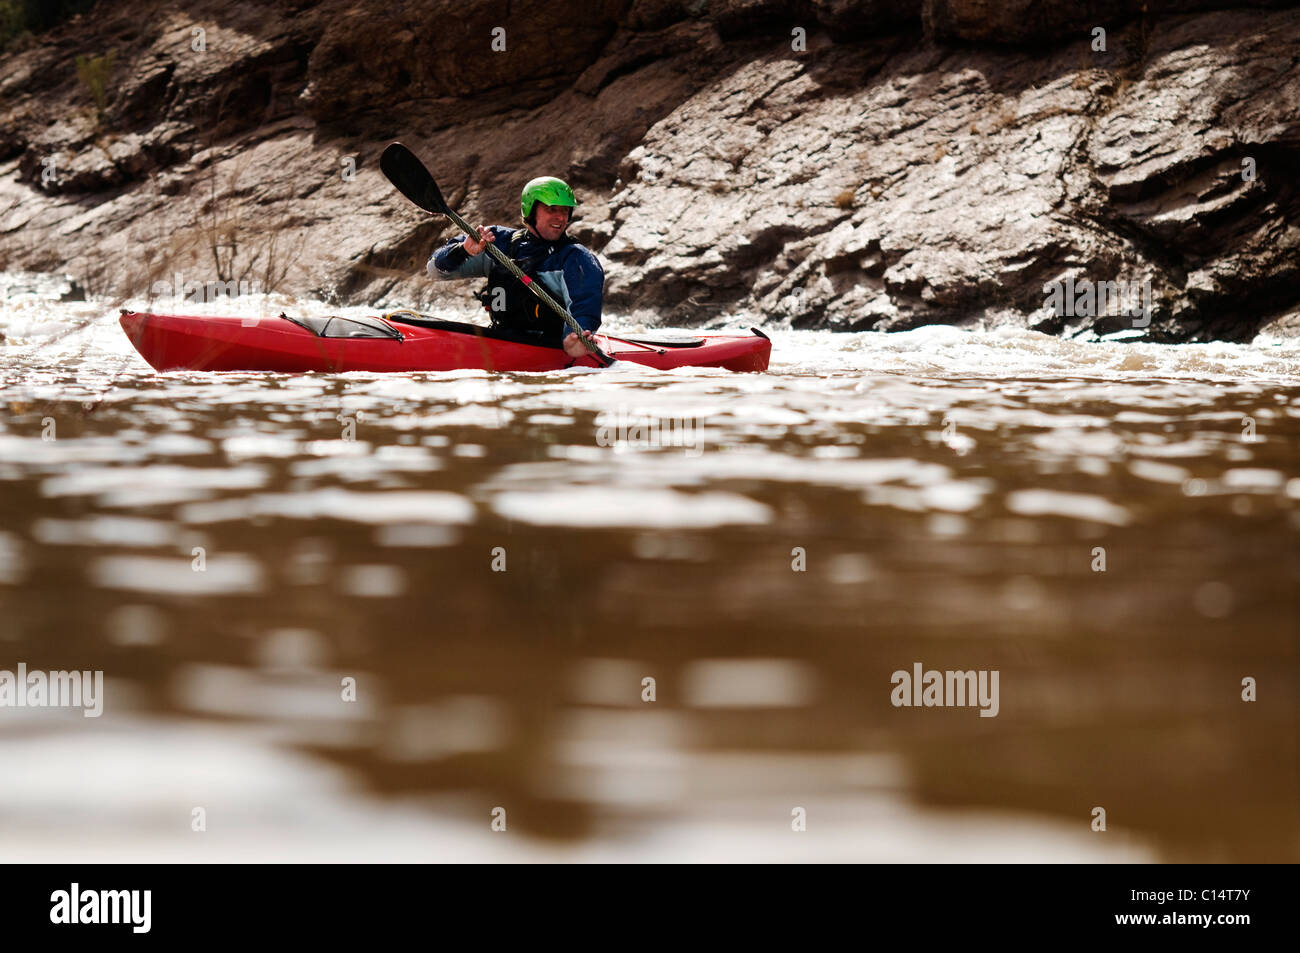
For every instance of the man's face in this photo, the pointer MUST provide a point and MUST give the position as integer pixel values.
(550, 220)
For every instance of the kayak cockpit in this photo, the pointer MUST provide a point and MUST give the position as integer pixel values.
(336, 327)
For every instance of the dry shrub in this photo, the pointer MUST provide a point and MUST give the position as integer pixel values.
(230, 241)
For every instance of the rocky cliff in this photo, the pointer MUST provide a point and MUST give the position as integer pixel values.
(854, 165)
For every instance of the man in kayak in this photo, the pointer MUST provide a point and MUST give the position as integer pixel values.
(542, 250)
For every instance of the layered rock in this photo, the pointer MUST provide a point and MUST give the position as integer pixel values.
(943, 184)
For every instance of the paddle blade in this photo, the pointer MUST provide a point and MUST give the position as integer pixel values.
(408, 174)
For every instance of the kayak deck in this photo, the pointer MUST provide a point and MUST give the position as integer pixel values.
(289, 345)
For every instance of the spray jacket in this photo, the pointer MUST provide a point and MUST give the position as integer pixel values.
(569, 272)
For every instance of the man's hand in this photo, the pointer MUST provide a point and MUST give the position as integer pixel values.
(574, 347)
(485, 235)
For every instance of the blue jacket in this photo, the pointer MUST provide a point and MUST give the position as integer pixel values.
(570, 272)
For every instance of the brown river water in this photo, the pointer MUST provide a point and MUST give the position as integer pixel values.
(646, 616)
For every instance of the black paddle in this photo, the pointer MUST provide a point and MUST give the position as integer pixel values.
(408, 174)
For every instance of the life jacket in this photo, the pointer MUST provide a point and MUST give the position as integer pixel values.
(523, 313)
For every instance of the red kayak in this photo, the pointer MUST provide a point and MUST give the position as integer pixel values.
(402, 342)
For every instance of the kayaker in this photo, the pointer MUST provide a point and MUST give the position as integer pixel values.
(570, 272)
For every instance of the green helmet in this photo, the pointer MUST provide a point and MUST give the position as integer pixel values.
(549, 191)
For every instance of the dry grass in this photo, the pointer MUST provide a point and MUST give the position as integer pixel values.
(229, 241)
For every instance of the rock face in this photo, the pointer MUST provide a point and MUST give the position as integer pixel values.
(929, 184)
(826, 163)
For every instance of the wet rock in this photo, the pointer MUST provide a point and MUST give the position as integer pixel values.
(372, 59)
(861, 15)
(657, 14)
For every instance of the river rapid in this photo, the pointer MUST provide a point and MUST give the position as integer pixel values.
(628, 614)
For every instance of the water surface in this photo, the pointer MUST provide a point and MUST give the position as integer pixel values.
(501, 561)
